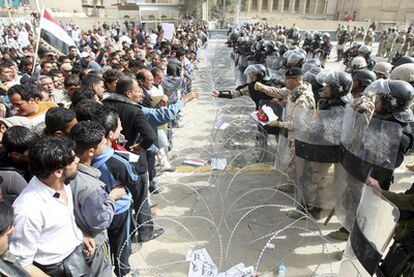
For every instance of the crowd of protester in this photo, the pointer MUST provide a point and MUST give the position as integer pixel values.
(83, 136)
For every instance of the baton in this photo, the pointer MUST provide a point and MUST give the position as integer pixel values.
(331, 213)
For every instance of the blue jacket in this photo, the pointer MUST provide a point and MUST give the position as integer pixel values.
(116, 171)
(158, 117)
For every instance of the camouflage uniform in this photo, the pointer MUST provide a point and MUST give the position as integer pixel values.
(392, 37)
(409, 44)
(398, 47)
(281, 38)
(382, 43)
(300, 97)
(369, 38)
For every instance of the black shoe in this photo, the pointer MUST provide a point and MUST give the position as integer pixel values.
(155, 234)
(154, 189)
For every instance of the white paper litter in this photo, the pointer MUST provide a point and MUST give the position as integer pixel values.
(201, 264)
(270, 115)
(194, 162)
(239, 270)
(218, 164)
(220, 124)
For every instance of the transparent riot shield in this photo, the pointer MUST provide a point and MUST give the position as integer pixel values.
(371, 233)
(271, 61)
(283, 148)
(317, 149)
(367, 146)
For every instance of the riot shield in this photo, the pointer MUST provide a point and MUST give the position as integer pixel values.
(272, 61)
(367, 146)
(317, 149)
(284, 153)
(372, 231)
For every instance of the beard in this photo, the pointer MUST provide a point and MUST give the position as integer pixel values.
(70, 178)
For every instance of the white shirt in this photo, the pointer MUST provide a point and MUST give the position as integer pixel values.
(45, 228)
(153, 38)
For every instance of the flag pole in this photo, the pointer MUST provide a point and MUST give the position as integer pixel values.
(6, 2)
(38, 40)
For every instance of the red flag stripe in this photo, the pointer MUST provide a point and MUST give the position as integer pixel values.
(49, 17)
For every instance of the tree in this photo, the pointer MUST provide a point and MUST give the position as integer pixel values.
(192, 8)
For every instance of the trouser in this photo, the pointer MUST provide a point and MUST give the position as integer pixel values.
(405, 48)
(73, 265)
(324, 60)
(398, 262)
(143, 209)
(316, 183)
(162, 138)
(397, 49)
(381, 49)
(291, 170)
(340, 51)
(387, 49)
(100, 262)
(152, 172)
(120, 242)
(411, 51)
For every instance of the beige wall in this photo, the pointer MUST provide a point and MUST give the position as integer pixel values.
(58, 5)
(379, 10)
(296, 10)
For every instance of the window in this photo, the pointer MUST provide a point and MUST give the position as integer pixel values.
(254, 4)
(243, 5)
(265, 5)
(307, 7)
(275, 5)
(286, 5)
(296, 5)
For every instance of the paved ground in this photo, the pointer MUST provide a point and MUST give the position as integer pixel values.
(232, 213)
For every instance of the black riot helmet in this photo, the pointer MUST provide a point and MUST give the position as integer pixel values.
(341, 84)
(396, 97)
(365, 77)
(259, 70)
(365, 50)
(402, 60)
(283, 48)
(403, 93)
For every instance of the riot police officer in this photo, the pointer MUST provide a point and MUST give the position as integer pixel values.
(361, 80)
(255, 73)
(298, 95)
(317, 145)
(379, 141)
(326, 48)
(382, 70)
(365, 52)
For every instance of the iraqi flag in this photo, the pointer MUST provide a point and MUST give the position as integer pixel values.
(54, 34)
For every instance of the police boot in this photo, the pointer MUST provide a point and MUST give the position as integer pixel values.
(342, 234)
(301, 211)
(316, 213)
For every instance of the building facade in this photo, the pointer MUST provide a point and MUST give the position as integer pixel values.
(298, 8)
(149, 10)
(377, 10)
